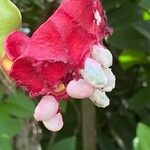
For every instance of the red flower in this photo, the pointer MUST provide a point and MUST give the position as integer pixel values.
(45, 63)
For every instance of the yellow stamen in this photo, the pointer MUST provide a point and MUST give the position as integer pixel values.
(61, 87)
(6, 63)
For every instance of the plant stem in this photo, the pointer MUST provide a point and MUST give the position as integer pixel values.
(89, 125)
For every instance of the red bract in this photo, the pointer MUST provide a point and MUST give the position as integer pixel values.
(46, 62)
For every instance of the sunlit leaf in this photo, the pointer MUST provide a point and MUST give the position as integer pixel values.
(146, 15)
(141, 142)
(130, 58)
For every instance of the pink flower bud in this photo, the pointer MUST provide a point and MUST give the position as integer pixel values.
(55, 123)
(80, 89)
(46, 109)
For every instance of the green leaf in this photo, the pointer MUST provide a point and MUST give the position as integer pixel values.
(143, 27)
(102, 140)
(23, 103)
(15, 110)
(123, 16)
(1, 92)
(130, 58)
(18, 105)
(129, 38)
(66, 144)
(120, 125)
(39, 3)
(142, 141)
(64, 105)
(113, 4)
(9, 126)
(146, 15)
(5, 143)
(140, 99)
(145, 4)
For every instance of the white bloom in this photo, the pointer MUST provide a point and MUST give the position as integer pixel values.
(93, 73)
(102, 55)
(100, 99)
(111, 80)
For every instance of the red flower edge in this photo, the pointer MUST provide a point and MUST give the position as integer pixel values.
(45, 63)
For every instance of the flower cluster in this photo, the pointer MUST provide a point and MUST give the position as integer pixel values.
(64, 57)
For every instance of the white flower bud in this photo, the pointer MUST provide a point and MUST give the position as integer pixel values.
(100, 99)
(111, 80)
(93, 73)
(102, 55)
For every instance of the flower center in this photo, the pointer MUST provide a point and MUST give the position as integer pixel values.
(60, 87)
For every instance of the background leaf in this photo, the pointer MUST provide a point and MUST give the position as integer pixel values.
(66, 144)
(143, 137)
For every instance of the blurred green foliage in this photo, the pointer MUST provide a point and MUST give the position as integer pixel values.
(14, 108)
(125, 124)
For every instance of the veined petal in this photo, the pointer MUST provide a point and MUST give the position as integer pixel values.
(80, 89)
(100, 99)
(102, 55)
(94, 74)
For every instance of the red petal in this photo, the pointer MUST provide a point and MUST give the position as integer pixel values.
(67, 37)
(75, 21)
(77, 41)
(39, 78)
(46, 44)
(82, 11)
(52, 73)
(15, 44)
(26, 76)
(71, 29)
(79, 44)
